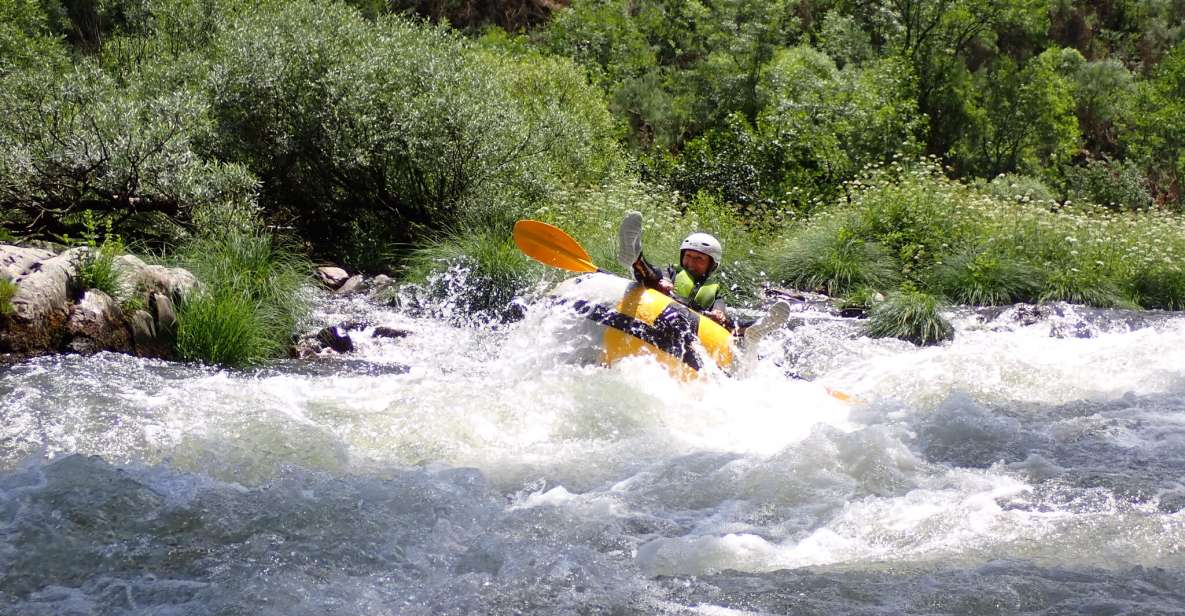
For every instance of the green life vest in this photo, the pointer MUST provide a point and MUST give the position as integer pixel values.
(702, 294)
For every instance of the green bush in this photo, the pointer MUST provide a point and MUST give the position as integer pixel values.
(96, 270)
(1113, 184)
(985, 276)
(1019, 188)
(909, 315)
(26, 40)
(832, 258)
(83, 141)
(828, 124)
(411, 128)
(7, 292)
(249, 304)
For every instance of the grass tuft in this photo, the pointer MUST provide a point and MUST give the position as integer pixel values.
(249, 304)
(7, 292)
(984, 277)
(1160, 287)
(836, 261)
(909, 315)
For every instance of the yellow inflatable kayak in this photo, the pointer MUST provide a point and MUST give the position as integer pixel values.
(638, 321)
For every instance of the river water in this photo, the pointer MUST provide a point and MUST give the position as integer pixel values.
(1036, 464)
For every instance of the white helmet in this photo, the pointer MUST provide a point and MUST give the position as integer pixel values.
(702, 242)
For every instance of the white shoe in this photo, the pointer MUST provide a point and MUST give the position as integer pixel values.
(629, 240)
(773, 320)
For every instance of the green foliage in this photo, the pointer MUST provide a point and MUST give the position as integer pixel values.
(909, 315)
(827, 124)
(1016, 187)
(832, 258)
(1024, 119)
(7, 292)
(673, 69)
(412, 129)
(81, 141)
(842, 38)
(1157, 131)
(249, 303)
(25, 38)
(1114, 184)
(985, 276)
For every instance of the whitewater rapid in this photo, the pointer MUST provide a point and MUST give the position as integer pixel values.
(1032, 465)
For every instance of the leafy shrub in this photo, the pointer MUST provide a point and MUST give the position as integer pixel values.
(25, 38)
(1113, 184)
(828, 124)
(832, 258)
(985, 276)
(340, 117)
(82, 141)
(97, 267)
(1023, 118)
(7, 292)
(1017, 187)
(909, 315)
(249, 303)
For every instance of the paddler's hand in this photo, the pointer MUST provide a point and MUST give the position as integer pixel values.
(717, 316)
(666, 286)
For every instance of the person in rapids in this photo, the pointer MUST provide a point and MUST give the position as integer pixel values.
(695, 282)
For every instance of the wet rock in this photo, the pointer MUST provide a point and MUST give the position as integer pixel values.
(143, 330)
(336, 338)
(146, 340)
(332, 277)
(97, 323)
(349, 286)
(164, 317)
(389, 332)
(380, 284)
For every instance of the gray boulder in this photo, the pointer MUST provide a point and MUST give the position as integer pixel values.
(137, 277)
(41, 305)
(332, 277)
(353, 284)
(97, 323)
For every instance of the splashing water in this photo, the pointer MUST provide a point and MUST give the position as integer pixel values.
(1031, 465)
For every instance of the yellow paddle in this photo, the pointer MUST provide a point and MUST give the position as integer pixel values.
(549, 245)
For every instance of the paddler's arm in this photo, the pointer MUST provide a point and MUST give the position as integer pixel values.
(718, 314)
(649, 276)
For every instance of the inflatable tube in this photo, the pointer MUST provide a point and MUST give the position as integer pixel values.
(634, 320)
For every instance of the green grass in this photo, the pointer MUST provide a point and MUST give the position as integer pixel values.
(7, 292)
(987, 245)
(97, 270)
(909, 315)
(1160, 287)
(985, 277)
(832, 259)
(248, 304)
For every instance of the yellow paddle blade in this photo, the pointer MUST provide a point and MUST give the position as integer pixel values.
(551, 246)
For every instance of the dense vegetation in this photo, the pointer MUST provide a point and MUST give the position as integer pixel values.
(971, 151)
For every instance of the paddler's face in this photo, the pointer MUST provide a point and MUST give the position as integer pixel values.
(696, 263)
